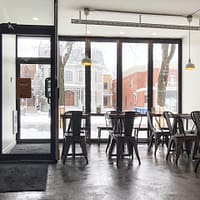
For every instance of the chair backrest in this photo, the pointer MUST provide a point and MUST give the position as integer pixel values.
(114, 125)
(129, 118)
(74, 125)
(195, 115)
(170, 121)
(150, 121)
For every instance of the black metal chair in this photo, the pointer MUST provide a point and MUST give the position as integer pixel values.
(140, 127)
(110, 123)
(121, 134)
(158, 135)
(73, 133)
(179, 138)
(195, 115)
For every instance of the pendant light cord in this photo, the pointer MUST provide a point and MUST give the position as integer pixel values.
(86, 11)
(189, 18)
(86, 61)
(189, 65)
(189, 39)
(86, 28)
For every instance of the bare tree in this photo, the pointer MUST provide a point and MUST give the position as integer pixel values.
(64, 54)
(167, 54)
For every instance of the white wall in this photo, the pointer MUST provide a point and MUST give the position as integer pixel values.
(23, 12)
(9, 90)
(191, 78)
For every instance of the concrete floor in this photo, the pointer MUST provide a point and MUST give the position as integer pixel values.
(154, 179)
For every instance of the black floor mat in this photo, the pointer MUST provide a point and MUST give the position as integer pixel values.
(23, 177)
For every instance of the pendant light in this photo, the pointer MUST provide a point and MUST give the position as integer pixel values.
(189, 65)
(86, 61)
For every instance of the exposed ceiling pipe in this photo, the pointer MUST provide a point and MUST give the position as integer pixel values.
(134, 24)
(137, 13)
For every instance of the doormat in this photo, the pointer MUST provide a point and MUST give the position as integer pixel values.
(17, 177)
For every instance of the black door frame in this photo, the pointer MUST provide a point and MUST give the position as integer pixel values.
(29, 30)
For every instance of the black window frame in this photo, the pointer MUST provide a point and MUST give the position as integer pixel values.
(119, 41)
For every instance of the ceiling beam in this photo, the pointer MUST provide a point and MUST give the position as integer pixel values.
(134, 24)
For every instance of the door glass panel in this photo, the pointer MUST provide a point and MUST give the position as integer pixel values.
(72, 78)
(165, 77)
(35, 111)
(103, 81)
(33, 47)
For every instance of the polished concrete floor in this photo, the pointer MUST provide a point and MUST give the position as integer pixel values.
(154, 179)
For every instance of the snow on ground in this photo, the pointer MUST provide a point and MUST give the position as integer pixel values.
(37, 126)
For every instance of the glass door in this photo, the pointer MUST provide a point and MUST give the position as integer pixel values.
(26, 87)
(34, 112)
(34, 109)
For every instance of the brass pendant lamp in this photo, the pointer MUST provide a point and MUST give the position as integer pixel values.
(86, 61)
(189, 65)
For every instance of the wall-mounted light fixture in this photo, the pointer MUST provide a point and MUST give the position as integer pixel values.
(86, 61)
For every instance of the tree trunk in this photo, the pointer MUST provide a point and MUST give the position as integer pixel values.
(164, 72)
(63, 58)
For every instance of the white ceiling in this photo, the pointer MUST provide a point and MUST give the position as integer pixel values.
(69, 9)
(22, 12)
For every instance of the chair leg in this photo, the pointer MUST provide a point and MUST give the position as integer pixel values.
(63, 149)
(130, 148)
(99, 135)
(136, 151)
(133, 144)
(111, 147)
(195, 149)
(84, 148)
(157, 142)
(179, 146)
(120, 148)
(169, 148)
(150, 142)
(136, 132)
(108, 144)
(195, 170)
(188, 146)
(67, 145)
(166, 138)
(73, 149)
